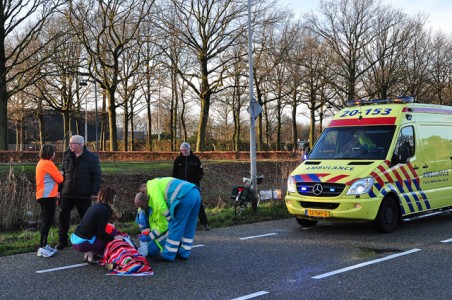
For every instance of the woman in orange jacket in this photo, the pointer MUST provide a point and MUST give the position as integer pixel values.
(47, 179)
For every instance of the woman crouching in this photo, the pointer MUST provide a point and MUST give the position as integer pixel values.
(91, 236)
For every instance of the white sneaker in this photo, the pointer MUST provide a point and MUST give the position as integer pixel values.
(43, 252)
(89, 257)
(50, 249)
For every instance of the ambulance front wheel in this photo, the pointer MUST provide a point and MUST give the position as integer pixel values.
(306, 222)
(388, 216)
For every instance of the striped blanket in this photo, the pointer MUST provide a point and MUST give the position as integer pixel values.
(121, 258)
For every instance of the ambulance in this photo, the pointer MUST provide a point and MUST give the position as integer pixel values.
(382, 161)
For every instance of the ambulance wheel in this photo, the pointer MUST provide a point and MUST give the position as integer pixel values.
(306, 222)
(388, 216)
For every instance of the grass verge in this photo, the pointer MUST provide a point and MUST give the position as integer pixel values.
(26, 241)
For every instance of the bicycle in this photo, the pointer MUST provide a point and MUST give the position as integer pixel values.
(242, 195)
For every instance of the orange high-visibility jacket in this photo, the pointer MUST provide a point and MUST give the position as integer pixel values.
(47, 179)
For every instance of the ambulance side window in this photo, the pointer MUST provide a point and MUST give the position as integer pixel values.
(406, 138)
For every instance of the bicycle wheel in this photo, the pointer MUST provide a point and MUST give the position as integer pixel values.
(239, 208)
(237, 202)
(239, 205)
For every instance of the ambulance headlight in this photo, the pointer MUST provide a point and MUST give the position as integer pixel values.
(291, 185)
(361, 186)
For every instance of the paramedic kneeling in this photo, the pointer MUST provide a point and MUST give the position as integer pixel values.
(178, 201)
(150, 243)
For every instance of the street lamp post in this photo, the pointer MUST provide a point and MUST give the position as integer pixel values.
(96, 125)
(85, 83)
(86, 121)
(254, 110)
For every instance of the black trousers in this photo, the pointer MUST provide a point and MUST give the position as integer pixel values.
(48, 207)
(202, 215)
(66, 206)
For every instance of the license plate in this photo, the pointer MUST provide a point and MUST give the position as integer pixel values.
(317, 213)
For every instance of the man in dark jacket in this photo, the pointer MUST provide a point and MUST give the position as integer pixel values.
(187, 166)
(82, 177)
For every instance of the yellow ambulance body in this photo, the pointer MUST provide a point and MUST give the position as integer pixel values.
(384, 161)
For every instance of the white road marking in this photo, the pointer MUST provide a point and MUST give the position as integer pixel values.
(257, 236)
(63, 268)
(447, 241)
(83, 264)
(365, 264)
(250, 296)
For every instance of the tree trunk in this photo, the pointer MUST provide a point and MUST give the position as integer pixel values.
(205, 107)
(173, 111)
(112, 120)
(312, 128)
(132, 134)
(41, 125)
(126, 128)
(294, 122)
(3, 102)
(202, 126)
(67, 128)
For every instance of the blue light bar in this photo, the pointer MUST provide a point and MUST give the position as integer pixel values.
(403, 100)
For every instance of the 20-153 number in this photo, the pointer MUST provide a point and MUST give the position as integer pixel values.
(367, 112)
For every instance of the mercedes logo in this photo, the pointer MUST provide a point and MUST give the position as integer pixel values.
(317, 189)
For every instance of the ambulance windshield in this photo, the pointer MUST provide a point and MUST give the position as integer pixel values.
(363, 142)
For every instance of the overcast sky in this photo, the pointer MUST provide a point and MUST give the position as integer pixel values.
(439, 11)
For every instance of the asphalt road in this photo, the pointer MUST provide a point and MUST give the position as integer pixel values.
(268, 260)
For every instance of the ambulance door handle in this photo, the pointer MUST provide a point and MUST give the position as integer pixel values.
(415, 167)
(425, 166)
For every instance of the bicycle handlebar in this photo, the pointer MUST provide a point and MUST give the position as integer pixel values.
(259, 178)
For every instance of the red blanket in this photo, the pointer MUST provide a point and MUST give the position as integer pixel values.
(123, 259)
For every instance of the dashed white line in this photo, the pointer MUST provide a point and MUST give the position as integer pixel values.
(196, 246)
(257, 236)
(365, 264)
(447, 241)
(63, 268)
(250, 296)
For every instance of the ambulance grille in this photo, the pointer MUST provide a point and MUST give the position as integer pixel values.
(320, 189)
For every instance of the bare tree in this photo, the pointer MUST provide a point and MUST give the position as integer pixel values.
(59, 82)
(129, 92)
(441, 70)
(18, 108)
(282, 40)
(295, 81)
(415, 62)
(267, 28)
(20, 24)
(150, 55)
(383, 54)
(349, 27)
(207, 28)
(107, 29)
(234, 98)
